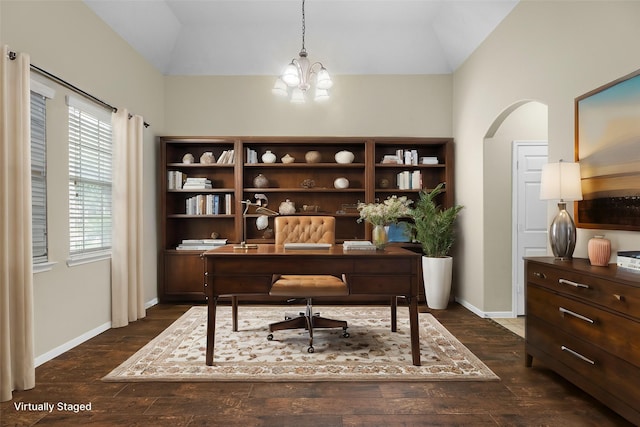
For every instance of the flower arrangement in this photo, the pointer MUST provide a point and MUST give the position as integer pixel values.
(386, 212)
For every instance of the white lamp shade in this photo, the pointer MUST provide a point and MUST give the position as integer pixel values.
(560, 181)
(323, 80)
(291, 76)
(321, 95)
(280, 88)
(297, 96)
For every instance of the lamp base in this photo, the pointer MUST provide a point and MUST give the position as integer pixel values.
(562, 234)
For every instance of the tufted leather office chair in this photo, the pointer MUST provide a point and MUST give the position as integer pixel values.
(307, 229)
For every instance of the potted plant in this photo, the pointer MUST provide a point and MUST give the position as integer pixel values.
(434, 230)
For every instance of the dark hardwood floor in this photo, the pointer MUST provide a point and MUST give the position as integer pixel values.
(524, 396)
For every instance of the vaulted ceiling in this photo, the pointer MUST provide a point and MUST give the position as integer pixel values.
(259, 37)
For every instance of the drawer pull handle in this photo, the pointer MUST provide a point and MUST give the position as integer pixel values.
(539, 275)
(574, 314)
(570, 283)
(578, 355)
(619, 297)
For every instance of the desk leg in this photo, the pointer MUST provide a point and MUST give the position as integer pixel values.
(234, 312)
(415, 332)
(394, 314)
(211, 328)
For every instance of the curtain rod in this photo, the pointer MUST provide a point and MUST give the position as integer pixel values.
(12, 56)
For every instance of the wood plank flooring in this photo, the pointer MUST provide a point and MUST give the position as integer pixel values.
(524, 396)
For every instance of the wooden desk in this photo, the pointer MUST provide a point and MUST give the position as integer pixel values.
(231, 272)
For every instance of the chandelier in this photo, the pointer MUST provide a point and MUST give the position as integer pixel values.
(299, 74)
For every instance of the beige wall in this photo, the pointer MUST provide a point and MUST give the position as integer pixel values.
(359, 106)
(68, 40)
(550, 51)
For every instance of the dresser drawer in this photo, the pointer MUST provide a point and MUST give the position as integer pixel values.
(605, 371)
(616, 296)
(610, 332)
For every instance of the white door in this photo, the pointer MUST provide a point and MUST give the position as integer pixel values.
(529, 212)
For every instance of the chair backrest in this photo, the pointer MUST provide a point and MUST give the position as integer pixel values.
(305, 229)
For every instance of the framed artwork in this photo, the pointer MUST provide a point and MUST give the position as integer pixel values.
(607, 147)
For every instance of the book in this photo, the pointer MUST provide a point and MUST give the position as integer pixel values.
(629, 260)
(358, 245)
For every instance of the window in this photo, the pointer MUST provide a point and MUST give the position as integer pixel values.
(89, 178)
(39, 178)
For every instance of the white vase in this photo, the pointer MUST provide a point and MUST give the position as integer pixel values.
(436, 273)
(268, 157)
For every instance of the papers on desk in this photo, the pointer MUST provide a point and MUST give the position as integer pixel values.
(200, 244)
(358, 245)
(307, 245)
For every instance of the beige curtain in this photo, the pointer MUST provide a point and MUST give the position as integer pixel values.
(17, 370)
(127, 292)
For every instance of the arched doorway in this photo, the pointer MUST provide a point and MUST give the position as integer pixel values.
(525, 120)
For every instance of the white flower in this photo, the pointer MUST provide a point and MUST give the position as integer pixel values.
(384, 213)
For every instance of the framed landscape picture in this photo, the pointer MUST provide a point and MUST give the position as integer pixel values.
(607, 147)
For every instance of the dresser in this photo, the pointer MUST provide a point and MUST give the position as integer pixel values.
(583, 322)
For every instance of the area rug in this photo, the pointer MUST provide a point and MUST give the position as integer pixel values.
(371, 353)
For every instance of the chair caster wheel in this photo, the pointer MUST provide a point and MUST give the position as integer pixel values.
(270, 337)
(345, 334)
(311, 349)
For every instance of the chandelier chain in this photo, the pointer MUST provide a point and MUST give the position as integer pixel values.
(303, 25)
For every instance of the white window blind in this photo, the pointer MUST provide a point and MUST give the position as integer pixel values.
(39, 178)
(90, 178)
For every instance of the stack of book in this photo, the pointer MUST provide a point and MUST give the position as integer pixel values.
(227, 157)
(358, 245)
(252, 156)
(409, 180)
(175, 180)
(196, 184)
(629, 260)
(200, 244)
(208, 204)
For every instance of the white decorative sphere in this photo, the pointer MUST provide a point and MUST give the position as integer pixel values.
(344, 156)
(341, 183)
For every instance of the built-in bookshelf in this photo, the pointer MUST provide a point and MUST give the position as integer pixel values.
(203, 182)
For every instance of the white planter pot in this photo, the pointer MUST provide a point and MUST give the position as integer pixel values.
(436, 273)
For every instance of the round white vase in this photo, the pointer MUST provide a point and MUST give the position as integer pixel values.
(436, 273)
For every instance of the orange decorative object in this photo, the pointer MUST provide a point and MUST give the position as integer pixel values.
(599, 250)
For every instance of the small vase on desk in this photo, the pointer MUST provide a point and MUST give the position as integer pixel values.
(599, 250)
(379, 236)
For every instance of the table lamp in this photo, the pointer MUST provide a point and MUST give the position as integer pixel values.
(561, 181)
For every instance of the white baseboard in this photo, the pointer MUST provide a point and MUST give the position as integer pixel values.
(39, 360)
(51, 354)
(151, 303)
(484, 314)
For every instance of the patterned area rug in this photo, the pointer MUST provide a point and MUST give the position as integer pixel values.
(371, 353)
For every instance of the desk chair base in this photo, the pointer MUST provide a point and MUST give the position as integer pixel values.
(309, 321)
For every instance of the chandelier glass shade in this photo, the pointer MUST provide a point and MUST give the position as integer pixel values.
(300, 75)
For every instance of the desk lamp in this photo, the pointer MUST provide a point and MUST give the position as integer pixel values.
(261, 208)
(561, 181)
